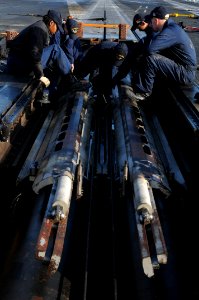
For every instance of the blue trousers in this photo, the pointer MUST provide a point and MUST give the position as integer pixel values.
(158, 66)
(53, 58)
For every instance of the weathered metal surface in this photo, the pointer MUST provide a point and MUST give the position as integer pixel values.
(58, 246)
(43, 238)
(146, 166)
(144, 169)
(58, 169)
(141, 151)
(122, 28)
(9, 91)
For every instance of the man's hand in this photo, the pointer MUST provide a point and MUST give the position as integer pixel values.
(45, 81)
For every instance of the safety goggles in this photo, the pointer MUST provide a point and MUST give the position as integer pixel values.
(74, 30)
(119, 57)
(139, 23)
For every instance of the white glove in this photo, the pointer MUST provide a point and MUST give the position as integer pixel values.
(72, 68)
(45, 81)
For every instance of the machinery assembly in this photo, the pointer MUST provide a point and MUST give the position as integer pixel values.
(101, 190)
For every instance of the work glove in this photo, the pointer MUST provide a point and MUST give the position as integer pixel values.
(45, 81)
(72, 68)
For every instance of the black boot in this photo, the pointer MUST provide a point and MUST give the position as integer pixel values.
(45, 97)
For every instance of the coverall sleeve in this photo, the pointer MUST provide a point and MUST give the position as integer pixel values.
(162, 41)
(37, 43)
(68, 49)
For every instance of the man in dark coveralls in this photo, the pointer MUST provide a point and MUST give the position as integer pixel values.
(72, 47)
(30, 51)
(137, 50)
(72, 44)
(142, 22)
(69, 41)
(101, 62)
(170, 56)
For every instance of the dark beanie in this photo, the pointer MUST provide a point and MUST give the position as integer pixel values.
(138, 18)
(121, 49)
(120, 53)
(71, 23)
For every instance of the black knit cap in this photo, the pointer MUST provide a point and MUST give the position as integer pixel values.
(56, 17)
(159, 12)
(120, 53)
(138, 18)
(72, 24)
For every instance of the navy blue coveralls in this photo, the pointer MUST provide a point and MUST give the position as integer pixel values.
(136, 51)
(170, 56)
(70, 43)
(30, 52)
(102, 59)
(73, 49)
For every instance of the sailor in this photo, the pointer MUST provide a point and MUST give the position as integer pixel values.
(30, 52)
(70, 43)
(73, 49)
(136, 50)
(170, 55)
(142, 22)
(100, 62)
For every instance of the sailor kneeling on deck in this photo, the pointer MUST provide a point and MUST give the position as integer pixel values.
(171, 56)
(30, 52)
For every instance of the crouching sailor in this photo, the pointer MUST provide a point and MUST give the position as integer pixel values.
(30, 52)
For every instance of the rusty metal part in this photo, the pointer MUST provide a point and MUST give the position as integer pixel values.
(58, 246)
(122, 28)
(56, 155)
(10, 35)
(140, 148)
(43, 238)
(144, 167)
